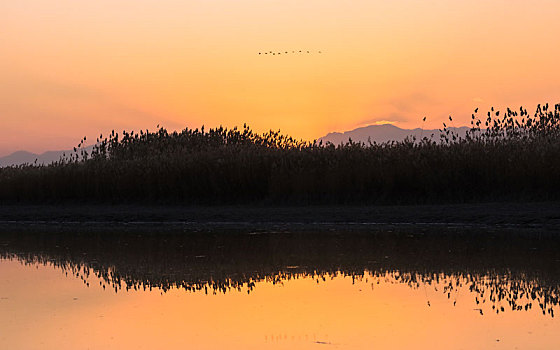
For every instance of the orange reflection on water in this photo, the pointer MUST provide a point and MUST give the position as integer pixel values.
(41, 308)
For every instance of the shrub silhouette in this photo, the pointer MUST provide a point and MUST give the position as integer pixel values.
(508, 156)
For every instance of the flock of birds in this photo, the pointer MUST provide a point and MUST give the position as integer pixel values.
(274, 53)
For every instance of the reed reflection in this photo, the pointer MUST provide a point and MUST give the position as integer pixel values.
(496, 271)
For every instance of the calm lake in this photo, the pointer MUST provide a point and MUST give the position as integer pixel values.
(375, 289)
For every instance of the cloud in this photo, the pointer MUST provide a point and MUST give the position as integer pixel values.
(405, 108)
(410, 102)
(391, 118)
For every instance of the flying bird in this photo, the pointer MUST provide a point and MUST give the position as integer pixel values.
(287, 52)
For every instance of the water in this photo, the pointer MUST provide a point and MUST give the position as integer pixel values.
(283, 290)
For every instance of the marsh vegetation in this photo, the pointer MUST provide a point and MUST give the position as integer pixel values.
(507, 156)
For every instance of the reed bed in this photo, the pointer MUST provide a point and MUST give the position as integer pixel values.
(508, 156)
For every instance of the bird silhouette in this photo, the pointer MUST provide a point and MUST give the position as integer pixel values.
(287, 52)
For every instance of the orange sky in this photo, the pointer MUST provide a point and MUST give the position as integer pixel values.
(73, 68)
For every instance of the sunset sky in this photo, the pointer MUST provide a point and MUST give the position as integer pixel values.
(71, 68)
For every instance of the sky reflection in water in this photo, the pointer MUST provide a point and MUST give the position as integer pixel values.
(304, 290)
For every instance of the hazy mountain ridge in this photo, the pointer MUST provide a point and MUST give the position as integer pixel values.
(385, 133)
(25, 157)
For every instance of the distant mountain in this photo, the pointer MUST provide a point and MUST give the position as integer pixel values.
(385, 133)
(23, 157)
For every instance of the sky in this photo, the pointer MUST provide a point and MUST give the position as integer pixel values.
(70, 68)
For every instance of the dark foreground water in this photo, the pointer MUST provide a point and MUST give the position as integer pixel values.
(386, 289)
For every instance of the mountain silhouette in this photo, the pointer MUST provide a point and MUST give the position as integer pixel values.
(25, 157)
(386, 133)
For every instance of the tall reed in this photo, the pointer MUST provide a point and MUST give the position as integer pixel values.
(504, 156)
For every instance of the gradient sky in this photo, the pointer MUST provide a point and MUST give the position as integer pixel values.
(74, 68)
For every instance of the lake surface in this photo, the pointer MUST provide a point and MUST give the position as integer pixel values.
(398, 289)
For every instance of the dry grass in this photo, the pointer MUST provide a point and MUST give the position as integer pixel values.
(508, 156)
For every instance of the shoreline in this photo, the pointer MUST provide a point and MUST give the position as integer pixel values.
(532, 215)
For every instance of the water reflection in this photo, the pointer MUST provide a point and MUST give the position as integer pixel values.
(498, 271)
